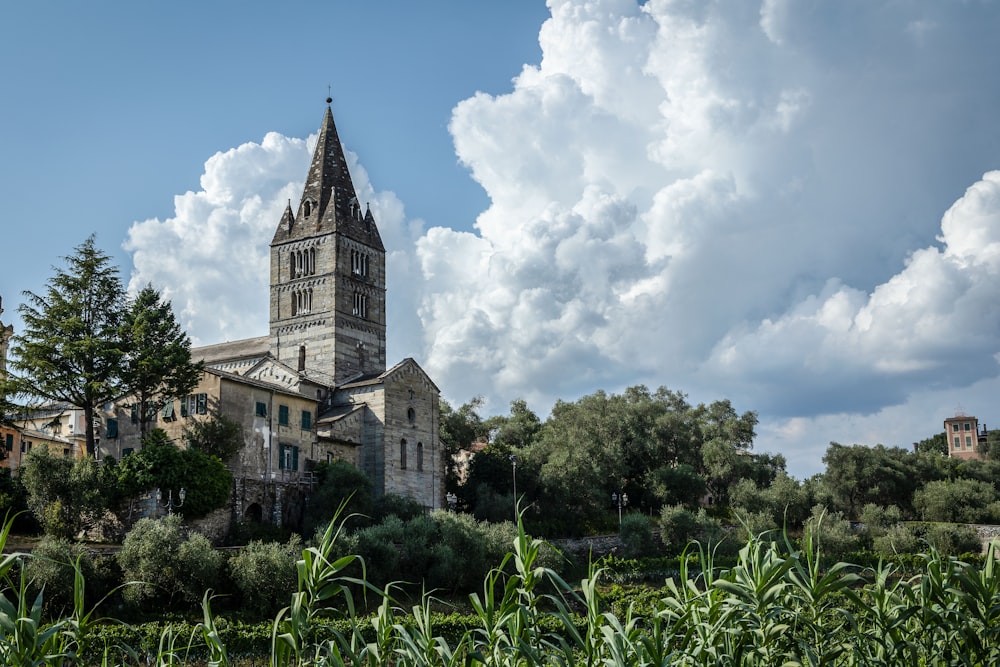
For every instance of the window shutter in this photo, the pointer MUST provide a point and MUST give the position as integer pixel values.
(202, 404)
(281, 455)
(10, 442)
(184, 405)
(283, 415)
(295, 458)
(306, 420)
(112, 429)
(135, 413)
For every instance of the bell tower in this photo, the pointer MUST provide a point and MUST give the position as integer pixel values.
(327, 293)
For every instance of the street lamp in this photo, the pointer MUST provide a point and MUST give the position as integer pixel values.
(513, 467)
(622, 500)
(170, 504)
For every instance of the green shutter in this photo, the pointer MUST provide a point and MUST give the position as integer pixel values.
(281, 455)
(295, 458)
(168, 411)
(307, 418)
(202, 404)
(283, 415)
(261, 409)
(112, 429)
(10, 442)
(184, 405)
(134, 415)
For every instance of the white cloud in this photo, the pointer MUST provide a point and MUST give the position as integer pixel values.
(730, 199)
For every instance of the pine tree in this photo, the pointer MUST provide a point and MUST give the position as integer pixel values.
(157, 363)
(70, 349)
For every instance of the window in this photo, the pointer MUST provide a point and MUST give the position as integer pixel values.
(359, 263)
(954, 427)
(134, 413)
(167, 413)
(202, 404)
(402, 454)
(288, 457)
(261, 409)
(283, 415)
(420, 456)
(967, 426)
(307, 419)
(10, 442)
(66, 452)
(968, 442)
(411, 416)
(302, 301)
(127, 451)
(361, 304)
(111, 431)
(307, 208)
(957, 443)
(194, 404)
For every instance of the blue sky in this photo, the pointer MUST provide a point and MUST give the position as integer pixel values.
(789, 204)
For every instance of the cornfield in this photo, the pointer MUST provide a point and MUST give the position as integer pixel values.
(777, 606)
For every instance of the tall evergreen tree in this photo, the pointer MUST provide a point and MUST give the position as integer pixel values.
(70, 349)
(157, 364)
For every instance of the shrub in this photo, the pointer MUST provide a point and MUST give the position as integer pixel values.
(636, 534)
(678, 526)
(952, 539)
(167, 567)
(265, 575)
(51, 572)
(900, 539)
(957, 501)
(832, 532)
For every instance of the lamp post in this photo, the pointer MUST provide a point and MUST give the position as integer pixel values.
(622, 500)
(513, 468)
(170, 505)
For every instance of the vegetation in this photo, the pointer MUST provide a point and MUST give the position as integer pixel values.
(157, 355)
(773, 604)
(69, 349)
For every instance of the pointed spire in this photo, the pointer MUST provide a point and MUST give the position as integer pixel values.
(329, 200)
(328, 172)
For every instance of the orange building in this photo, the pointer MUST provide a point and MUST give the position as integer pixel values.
(962, 432)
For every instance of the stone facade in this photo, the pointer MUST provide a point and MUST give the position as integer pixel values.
(316, 388)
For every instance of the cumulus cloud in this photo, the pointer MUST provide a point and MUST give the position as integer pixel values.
(732, 199)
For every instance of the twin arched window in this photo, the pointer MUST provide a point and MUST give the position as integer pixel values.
(302, 301)
(303, 262)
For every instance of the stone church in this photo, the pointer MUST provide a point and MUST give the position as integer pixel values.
(317, 387)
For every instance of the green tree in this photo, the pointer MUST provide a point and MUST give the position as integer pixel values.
(457, 430)
(858, 475)
(67, 496)
(169, 567)
(157, 364)
(160, 464)
(69, 349)
(337, 483)
(936, 444)
(955, 501)
(217, 436)
(265, 574)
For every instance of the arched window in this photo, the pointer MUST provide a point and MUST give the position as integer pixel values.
(402, 454)
(411, 416)
(420, 456)
(307, 208)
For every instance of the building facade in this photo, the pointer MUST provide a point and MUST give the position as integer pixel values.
(316, 387)
(963, 434)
